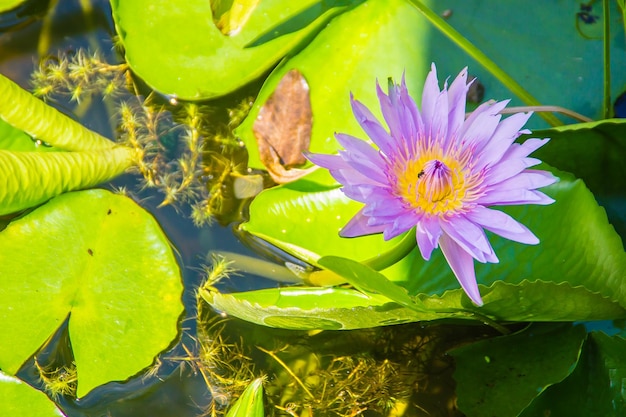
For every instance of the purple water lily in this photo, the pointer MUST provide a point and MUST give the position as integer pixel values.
(438, 171)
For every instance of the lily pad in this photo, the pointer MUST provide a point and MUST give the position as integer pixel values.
(6, 5)
(595, 386)
(501, 376)
(102, 260)
(21, 400)
(13, 139)
(309, 308)
(177, 49)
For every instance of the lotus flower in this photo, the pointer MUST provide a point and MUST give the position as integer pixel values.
(439, 172)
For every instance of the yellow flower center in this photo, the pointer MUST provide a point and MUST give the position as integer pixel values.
(432, 183)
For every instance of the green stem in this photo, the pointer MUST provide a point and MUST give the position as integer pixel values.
(606, 35)
(393, 255)
(483, 59)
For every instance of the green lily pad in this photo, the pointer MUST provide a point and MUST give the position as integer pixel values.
(21, 400)
(304, 308)
(102, 260)
(595, 387)
(309, 308)
(501, 376)
(594, 152)
(177, 49)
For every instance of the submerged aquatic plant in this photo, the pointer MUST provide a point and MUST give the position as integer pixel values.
(438, 172)
(184, 150)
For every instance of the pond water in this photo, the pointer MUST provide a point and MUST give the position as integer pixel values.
(403, 370)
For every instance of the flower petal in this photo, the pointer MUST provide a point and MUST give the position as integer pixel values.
(457, 96)
(502, 224)
(411, 119)
(384, 207)
(362, 157)
(352, 177)
(517, 150)
(470, 237)
(480, 126)
(343, 172)
(530, 179)
(503, 171)
(505, 134)
(502, 197)
(401, 224)
(326, 161)
(427, 235)
(389, 108)
(373, 128)
(357, 226)
(430, 93)
(462, 264)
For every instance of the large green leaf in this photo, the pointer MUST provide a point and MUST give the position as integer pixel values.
(594, 388)
(376, 40)
(18, 399)
(307, 308)
(302, 308)
(177, 49)
(102, 260)
(501, 376)
(594, 152)
(366, 279)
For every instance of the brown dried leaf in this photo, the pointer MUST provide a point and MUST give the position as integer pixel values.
(283, 128)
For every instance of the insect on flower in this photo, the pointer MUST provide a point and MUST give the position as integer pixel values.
(438, 172)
